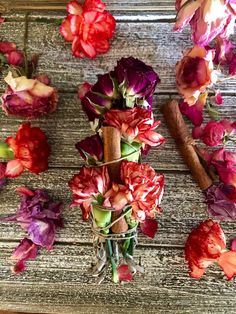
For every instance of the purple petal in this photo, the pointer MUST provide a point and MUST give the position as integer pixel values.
(42, 232)
(91, 148)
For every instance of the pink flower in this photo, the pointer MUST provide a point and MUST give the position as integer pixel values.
(205, 245)
(13, 56)
(213, 133)
(225, 164)
(136, 124)
(29, 98)
(87, 185)
(194, 73)
(208, 19)
(89, 27)
(146, 188)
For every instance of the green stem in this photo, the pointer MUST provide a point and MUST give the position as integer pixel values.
(115, 276)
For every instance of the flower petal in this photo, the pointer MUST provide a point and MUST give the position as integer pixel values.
(227, 262)
(14, 168)
(73, 7)
(149, 227)
(124, 273)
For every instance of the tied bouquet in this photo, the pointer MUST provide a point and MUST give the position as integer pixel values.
(115, 191)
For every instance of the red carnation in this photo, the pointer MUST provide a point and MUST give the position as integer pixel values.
(31, 151)
(89, 27)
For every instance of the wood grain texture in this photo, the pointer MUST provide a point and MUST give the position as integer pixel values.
(59, 282)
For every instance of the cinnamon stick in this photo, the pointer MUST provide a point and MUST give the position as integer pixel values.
(184, 141)
(112, 151)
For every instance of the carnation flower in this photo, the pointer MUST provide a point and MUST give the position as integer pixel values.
(88, 186)
(205, 245)
(194, 73)
(30, 151)
(89, 27)
(29, 98)
(10, 53)
(146, 188)
(220, 203)
(135, 125)
(208, 19)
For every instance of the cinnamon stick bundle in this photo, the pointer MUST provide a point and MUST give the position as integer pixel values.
(112, 151)
(185, 143)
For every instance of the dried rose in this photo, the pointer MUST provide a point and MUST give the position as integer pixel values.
(135, 125)
(88, 186)
(137, 82)
(89, 27)
(208, 19)
(146, 188)
(220, 203)
(10, 52)
(31, 151)
(194, 73)
(225, 164)
(29, 98)
(91, 149)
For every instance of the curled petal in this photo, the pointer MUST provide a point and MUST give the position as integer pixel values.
(73, 7)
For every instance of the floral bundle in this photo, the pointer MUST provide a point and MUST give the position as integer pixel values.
(115, 191)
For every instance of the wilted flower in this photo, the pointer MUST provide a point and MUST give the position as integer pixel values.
(208, 19)
(225, 164)
(26, 250)
(146, 188)
(31, 151)
(194, 73)
(219, 202)
(91, 149)
(195, 112)
(88, 186)
(214, 132)
(137, 82)
(205, 245)
(135, 125)
(10, 52)
(29, 98)
(89, 27)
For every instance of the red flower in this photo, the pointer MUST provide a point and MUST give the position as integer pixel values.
(136, 124)
(124, 273)
(204, 247)
(13, 56)
(146, 188)
(89, 27)
(87, 185)
(31, 151)
(117, 197)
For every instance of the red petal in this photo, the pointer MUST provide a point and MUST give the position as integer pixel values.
(196, 272)
(75, 23)
(14, 168)
(227, 262)
(65, 30)
(24, 191)
(124, 273)
(3, 166)
(149, 227)
(73, 7)
(88, 49)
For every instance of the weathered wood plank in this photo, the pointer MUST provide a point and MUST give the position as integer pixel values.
(59, 279)
(154, 43)
(183, 208)
(68, 125)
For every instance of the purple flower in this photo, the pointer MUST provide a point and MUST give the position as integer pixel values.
(137, 81)
(91, 149)
(24, 251)
(220, 205)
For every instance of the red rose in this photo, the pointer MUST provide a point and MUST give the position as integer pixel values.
(31, 151)
(89, 27)
(204, 246)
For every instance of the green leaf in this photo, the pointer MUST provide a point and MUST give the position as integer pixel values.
(3, 59)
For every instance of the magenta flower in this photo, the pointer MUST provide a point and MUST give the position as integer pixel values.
(29, 98)
(91, 149)
(12, 55)
(195, 112)
(220, 203)
(26, 250)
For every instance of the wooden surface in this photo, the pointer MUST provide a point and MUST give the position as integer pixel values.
(57, 281)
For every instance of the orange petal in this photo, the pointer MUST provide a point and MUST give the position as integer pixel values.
(227, 262)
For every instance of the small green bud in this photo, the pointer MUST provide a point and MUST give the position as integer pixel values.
(6, 152)
(102, 217)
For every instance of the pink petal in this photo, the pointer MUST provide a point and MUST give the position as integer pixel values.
(15, 58)
(124, 273)
(197, 132)
(14, 168)
(65, 30)
(3, 166)
(88, 49)
(73, 7)
(24, 191)
(83, 89)
(152, 138)
(233, 245)
(218, 98)
(2, 19)
(149, 227)
(7, 46)
(227, 262)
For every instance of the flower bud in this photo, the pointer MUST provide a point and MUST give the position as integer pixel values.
(102, 217)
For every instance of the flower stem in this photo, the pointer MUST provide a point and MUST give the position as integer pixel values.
(115, 276)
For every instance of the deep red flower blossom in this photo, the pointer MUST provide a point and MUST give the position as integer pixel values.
(31, 151)
(89, 27)
(12, 55)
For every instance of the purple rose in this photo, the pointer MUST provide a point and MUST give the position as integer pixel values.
(220, 205)
(91, 149)
(137, 81)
